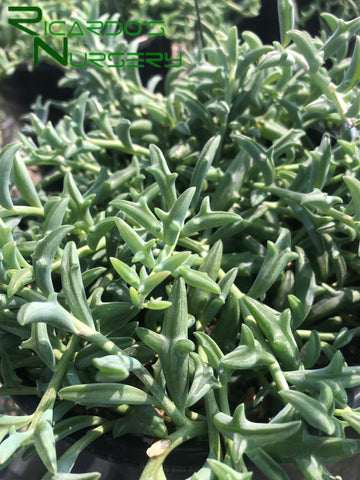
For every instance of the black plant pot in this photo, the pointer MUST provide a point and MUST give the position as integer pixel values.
(125, 457)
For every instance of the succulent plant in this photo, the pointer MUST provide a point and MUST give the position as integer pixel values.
(188, 267)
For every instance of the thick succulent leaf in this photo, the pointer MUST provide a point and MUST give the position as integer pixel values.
(73, 287)
(278, 255)
(47, 312)
(43, 257)
(45, 441)
(267, 464)
(7, 157)
(324, 449)
(222, 470)
(76, 476)
(11, 444)
(243, 357)
(105, 395)
(141, 214)
(335, 372)
(277, 329)
(203, 380)
(165, 179)
(119, 367)
(247, 435)
(141, 419)
(24, 183)
(313, 411)
(202, 166)
(40, 343)
(173, 220)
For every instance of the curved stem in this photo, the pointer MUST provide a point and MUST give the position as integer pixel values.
(278, 376)
(212, 409)
(22, 211)
(141, 372)
(117, 145)
(48, 399)
(75, 449)
(153, 469)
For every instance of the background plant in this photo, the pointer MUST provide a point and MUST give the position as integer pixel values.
(190, 266)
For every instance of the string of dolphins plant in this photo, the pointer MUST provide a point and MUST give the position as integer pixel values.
(190, 268)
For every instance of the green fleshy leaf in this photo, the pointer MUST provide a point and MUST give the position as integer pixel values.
(24, 183)
(203, 380)
(165, 179)
(44, 255)
(310, 409)
(278, 255)
(7, 157)
(73, 287)
(202, 166)
(48, 312)
(45, 441)
(118, 367)
(105, 395)
(222, 470)
(126, 273)
(247, 435)
(198, 279)
(173, 220)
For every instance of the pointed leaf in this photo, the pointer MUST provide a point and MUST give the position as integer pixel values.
(47, 312)
(198, 279)
(202, 166)
(76, 476)
(11, 444)
(244, 357)
(43, 257)
(121, 366)
(73, 287)
(310, 409)
(278, 255)
(165, 179)
(141, 214)
(24, 183)
(40, 343)
(222, 470)
(203, 380)
(7, 157)
(126, 273)
(55, 215)
(18, 280)
(45, 442)
(173, 220)
(105, 395)
(352, 74)
(206, 218)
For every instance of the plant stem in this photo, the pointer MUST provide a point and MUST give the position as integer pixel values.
(141, 372)
(326, 337)
(22, 211)
(117, 145)
(19, 391)
(153, 468)
(224, 399)
(48, 399)
(82, 252)
(213, 434)
(81, 444)
(346, 219)
(168, 405)
(278, 376)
